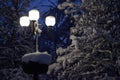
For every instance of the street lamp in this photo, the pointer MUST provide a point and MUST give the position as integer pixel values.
(24, 21)
(34, 16)
(33, 62)
(50, 21)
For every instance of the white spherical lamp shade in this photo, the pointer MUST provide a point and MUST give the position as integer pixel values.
(34, 14)
(24, 21)
(50, 21)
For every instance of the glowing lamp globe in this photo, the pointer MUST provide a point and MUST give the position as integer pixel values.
(34, 14)
(24, 21)
(50, 21)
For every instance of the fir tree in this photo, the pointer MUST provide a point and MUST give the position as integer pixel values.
(94, 52)
(12, 42)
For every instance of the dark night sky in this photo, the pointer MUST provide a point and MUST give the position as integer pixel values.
(38, 3)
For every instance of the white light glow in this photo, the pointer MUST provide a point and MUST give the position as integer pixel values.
(34, 14)
(50, 21)
(24, 21)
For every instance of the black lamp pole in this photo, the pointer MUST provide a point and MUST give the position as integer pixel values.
(36, 35)
(35, 76)
(34, 29)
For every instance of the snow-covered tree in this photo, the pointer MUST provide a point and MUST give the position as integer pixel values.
(13, 43)
(94, 52)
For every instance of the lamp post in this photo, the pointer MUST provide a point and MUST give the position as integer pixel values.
(30, 61)
(34, 16)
